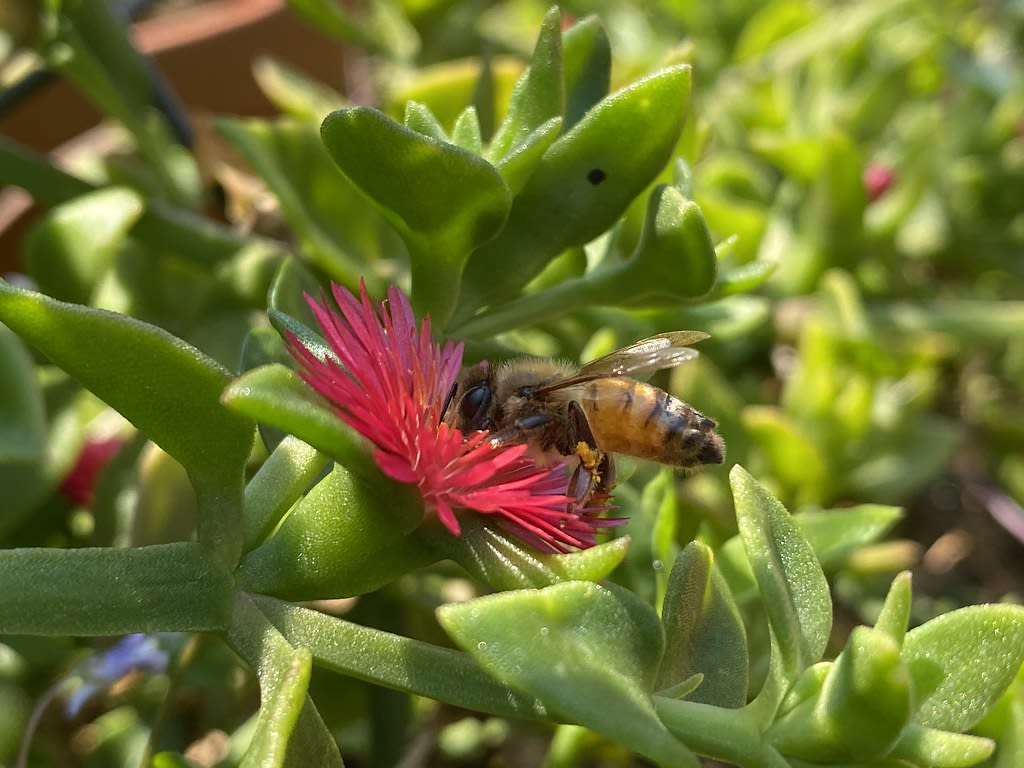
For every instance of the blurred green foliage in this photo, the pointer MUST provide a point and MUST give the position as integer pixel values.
(835, 192)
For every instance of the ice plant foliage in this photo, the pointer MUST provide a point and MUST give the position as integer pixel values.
(390, 382)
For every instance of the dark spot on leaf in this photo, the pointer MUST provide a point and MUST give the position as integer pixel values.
(595, 176)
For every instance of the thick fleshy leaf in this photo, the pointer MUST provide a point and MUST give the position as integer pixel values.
(733, 736)
(908, 461)
(346, 537)
(517, 166)
(833, 535)
(674, 259)
(962, 661)
(836, 533)
(582, 185)
(942, 749)
(22, 412)
(704, 632)
(280, 706)
(263, 346)
(894, 617)
(538, 96)
(419, 118)
(143, 371)
(587, 56)
(588, 652)
(1011, 737)
(659, 503)
(673, 262)
(503, 563)
(75, 243)
(28, 481)
(276, 396)
(89, 45)
(98, 591)
(443, 200)
(395, 661)
(793, 588)
(289, 731)
(286, 324)
(867, 697)
(288, 290)
(466, 132)
(286, 474)
(863, 706)
(742, 279)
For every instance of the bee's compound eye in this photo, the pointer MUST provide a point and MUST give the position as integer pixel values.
(473, 407)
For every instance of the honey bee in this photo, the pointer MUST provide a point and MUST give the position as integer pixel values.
(591, 412)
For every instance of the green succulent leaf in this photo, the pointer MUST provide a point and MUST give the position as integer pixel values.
(164, 588)
(289, 731)
(833, 534)
(466, 132)
(380, 26)
(275, 395)
(286, 474)
(742, 279)
(941, 749)
(962, 661)
(183, 232)
(582, 185)
(293, 92)
(442, 200)
(587, 56)
(143, 371)
(674, 259)
(346, 537)
(792, 585)
(894, 617)
(517, 165)
(22, 410)
(281, 705)
(70, 249)
(864, 704)
(673, 262)
(419, 118)
(503, 563)
(704, 632)
(287, 294)
(395, 661)
(588, 652)
(538, 96)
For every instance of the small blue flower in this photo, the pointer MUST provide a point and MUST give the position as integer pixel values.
(101, 670)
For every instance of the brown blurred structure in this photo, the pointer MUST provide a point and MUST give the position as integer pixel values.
(204, 51)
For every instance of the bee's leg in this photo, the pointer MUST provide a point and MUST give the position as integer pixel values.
(595, 462)
(516, 433)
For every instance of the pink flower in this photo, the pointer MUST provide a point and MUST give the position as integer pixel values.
(878, 178)
(390, 382)
(80, 482)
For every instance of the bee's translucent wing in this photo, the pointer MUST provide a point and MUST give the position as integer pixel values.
(666, 350)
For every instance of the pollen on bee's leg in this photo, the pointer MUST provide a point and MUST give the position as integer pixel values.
(590, 457)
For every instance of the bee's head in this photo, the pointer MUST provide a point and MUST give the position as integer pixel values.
(468, 407)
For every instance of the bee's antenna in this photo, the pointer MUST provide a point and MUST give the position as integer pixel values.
(448, 401)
